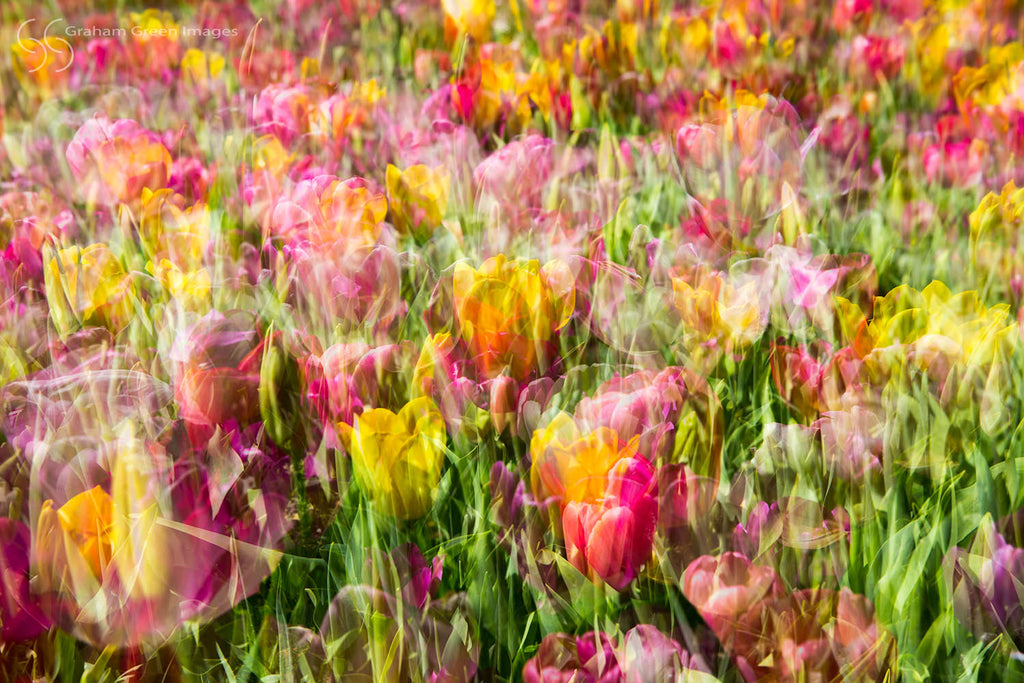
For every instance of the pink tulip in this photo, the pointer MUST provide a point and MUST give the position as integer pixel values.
(955, 163)
(612, 539)
(349, 378)
(113, 161)
(517, 174)
(645, 405)
(724, 590)
(876, 57)
(847, 12)
(218, 373)
(646, 655)
(283, 111)
(562, 658)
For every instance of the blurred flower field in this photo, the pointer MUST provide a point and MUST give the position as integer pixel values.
(526, 340)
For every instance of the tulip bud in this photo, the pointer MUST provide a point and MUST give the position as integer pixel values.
(503, 402)
(279, 393)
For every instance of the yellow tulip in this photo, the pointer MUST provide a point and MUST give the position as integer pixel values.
(470, 17)
(190, 288)
(198, 67)
(995, 236)
(571, 466)
(152, 24)
(94, 535)
(269, 155)
(714, 308)
(509, 312)
(993, 83)
(397, 458)
(418, 197)
(167, 230)
(85, 521)
(74, 550)
(87, 287)
(352, 213)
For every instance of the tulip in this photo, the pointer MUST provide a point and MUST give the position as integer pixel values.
(646, 655)
(807, 635)
(518, 172)
(876, 57)
(419, 580)
(218, 373)
(132, 512)
(724, 589)
(199, 68)
(649, 656)
(166, 230)
(612, 539)
(569, 466)
(820, 634)
(130, 566)
(694, 42)
(1002, 586)
(760, 532)
(503, 401)
(976, 340)
(154, 46)
(605, 493)
(358, 289)
(352, 377)
(955, 163)
(847, 12)
(345, 115)
(41, 66)
(697, 144)
(189, 178)
(717, 310)
(418, 198)
(191, 289)
(113, 161)
(644, 405)
(535, 399)
(852, 441)
(860, 644)
(562, 658)
(397, 458)
(87, 287)
(27, 221)
(846, 137)
(48, 410)
(283, 111)
(716, 227)
(509, 313)
(74, 546)
(326, 212)
(438, 374)
(468, 17)
(995, 238)
(810, 384)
